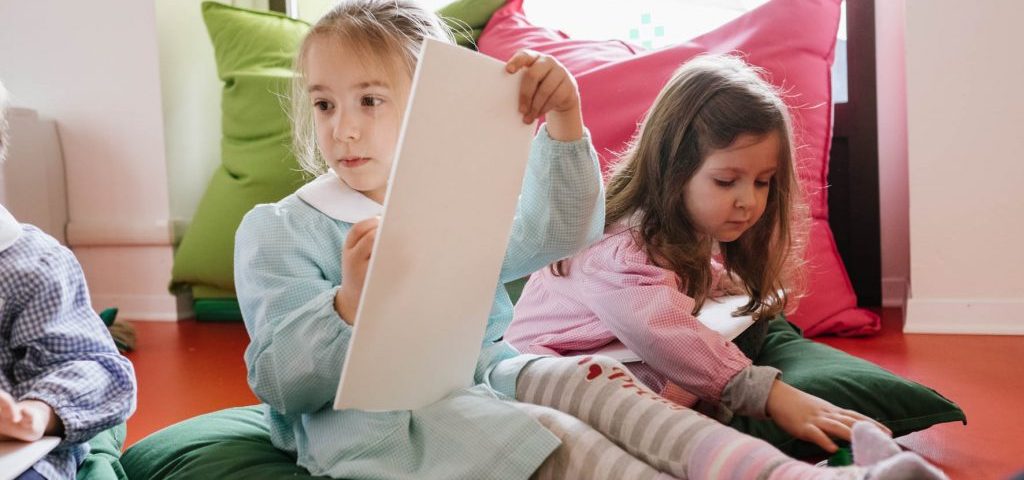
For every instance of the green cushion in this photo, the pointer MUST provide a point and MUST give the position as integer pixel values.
(254, 51)
(467, 18)
(847, 381)
(103, 460)
(227, 444)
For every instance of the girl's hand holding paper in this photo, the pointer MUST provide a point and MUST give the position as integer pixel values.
(547, 87)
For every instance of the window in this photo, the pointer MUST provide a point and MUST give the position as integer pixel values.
(657, 23)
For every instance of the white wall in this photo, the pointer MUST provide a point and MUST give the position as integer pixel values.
(92, 66)
(965, 111)
(191, 104)
(890, 18)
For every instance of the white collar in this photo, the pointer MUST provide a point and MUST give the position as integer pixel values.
(10, 229)
(337, 200)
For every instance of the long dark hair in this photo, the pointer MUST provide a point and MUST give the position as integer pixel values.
(708, 103)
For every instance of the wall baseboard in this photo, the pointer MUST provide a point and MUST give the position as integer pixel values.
(894, 292)
(157, 307)
(965, 316)
(117, 234)
(133, 278)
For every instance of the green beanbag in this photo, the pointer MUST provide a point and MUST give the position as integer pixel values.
(254, 51)
(227, 444)
(103, 460)
(847, 381)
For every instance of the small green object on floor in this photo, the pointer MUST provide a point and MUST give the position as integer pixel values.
(217, 310)
(108, 315)
(122, 333)
(841, 458)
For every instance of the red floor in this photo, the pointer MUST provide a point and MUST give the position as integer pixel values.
(185, 369)
(188, 368)
(978, 372)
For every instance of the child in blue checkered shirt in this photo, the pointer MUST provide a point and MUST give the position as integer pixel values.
(60, 373)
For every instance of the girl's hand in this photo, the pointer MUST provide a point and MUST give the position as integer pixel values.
(548, 88)
(27, 420)
(355, 259)
(810, 418)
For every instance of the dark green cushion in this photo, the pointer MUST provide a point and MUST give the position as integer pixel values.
(847, 381)
(103, 461)
(254, 51)
(228, 444)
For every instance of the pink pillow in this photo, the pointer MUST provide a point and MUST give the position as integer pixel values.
(793, 40)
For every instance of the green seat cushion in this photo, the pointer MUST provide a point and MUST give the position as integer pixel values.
(217, 309)
(254, 51)
(227, 444)
(847, 381)
(103, 460)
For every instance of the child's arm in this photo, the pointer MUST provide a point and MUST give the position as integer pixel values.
(642, 306)
(297, 339)
(78, 384)
(561, 207)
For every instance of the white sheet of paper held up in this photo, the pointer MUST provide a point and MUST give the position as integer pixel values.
(448, 213)
(716, 314)
(17, 457)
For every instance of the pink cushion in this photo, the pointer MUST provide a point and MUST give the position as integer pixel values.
(793, 40)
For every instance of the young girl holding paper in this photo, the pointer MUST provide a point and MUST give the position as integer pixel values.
(300, 266)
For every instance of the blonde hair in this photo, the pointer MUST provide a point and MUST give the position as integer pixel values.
(385, 33)
(709, 102)
(3, 123)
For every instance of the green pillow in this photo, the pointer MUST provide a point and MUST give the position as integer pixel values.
(103, 460)
(847, 381)
(254, 51)
(227, 444)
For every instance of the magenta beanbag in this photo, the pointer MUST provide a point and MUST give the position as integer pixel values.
(793, 40)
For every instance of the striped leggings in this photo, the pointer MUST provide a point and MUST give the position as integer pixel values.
(613, 427)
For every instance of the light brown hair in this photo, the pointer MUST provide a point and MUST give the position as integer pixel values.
(383, 33)
(709, 102)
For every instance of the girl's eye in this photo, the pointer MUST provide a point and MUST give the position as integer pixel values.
(371, 101)
(724, 183)
(763, 183)
(322, 105)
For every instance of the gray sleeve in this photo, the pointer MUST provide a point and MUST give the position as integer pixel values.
(747, 393)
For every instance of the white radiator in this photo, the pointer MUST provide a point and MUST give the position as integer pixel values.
(32, 179)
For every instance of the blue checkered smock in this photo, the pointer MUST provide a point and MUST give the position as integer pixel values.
(287, 271)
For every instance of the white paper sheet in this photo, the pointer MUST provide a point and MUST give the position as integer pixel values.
(16, 457)
(716, 314)
(448, 214)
